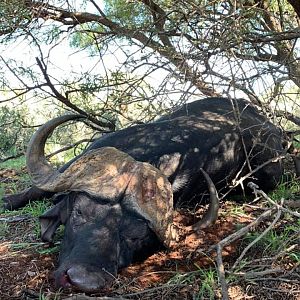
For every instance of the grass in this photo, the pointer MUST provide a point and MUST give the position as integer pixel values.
(204, 281)
(2, 193)
(285, 190)
(237, 211)
(278, 240)
(4, 229)
(209, 284)
(39, 247)
(56, 296)
(34, 209)
(16, 163)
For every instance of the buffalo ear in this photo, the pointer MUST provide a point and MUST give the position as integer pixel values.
(149, 193)
(55, 216)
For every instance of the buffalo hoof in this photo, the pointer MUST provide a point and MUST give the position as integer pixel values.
(12, 202)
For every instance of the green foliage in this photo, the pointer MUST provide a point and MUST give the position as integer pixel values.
(36, 208)
(4, 229)
(16, 163)
(13, 136)
(132, 14)
(205, 279)
(277, 240)
(209, 283)
(14, 16)
(285, 190)
(86, 36)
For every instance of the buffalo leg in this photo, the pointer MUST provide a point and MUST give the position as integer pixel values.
(19, 200)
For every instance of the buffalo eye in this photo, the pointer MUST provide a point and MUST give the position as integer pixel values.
(78, 212)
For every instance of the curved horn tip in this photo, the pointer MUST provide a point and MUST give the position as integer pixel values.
(37, 165)
(211, 215)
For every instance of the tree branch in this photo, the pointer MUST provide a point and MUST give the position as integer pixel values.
(67, 102)
(66, 17)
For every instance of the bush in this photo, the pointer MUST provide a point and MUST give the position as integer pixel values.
(14, 134)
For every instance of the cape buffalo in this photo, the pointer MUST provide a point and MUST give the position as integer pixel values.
(116, 198)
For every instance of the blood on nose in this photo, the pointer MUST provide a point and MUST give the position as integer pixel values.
(64, 281)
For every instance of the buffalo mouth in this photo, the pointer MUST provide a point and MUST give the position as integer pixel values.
(80, 278)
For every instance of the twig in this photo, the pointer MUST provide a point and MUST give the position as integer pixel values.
(258, 273)
(255, 189)
(292, 203)
(289, 292)
(235, 182)
(11, 157)
(66, 101)
(68, 147)
(291, 271)
(84, 297)
(238, 234)
(278, 215)
(154, 289)
(283, 252)
(221, 272)
(278, 279)
(15, 218)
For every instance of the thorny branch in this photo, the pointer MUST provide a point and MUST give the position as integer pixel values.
(243, 231)
(271, 226)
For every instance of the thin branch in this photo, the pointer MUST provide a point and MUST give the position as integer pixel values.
(243, 231)
(68, 147)
(253, 274)
(270, 227)
(67, 102)
(12, 157)
(221, 272)
(256, 191)
(289, 116)
(13, 219)
(235, 183)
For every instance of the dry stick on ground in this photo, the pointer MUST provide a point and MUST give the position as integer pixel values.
(259, 273)
(12, 219)
(279, 207)
(221, 272)
(228, 240)
(277, 217)
(238, 234)
(255, 189)
(84, 297)
(231, 238)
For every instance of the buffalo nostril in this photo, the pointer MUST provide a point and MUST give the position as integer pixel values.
(86, 281)
(64, 281)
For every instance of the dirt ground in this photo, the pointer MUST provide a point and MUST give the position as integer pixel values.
(26, 265)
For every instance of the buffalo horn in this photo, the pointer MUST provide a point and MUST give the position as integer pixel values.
(211, 214)
(38, 167)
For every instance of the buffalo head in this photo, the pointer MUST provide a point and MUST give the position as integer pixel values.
(115, 210)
